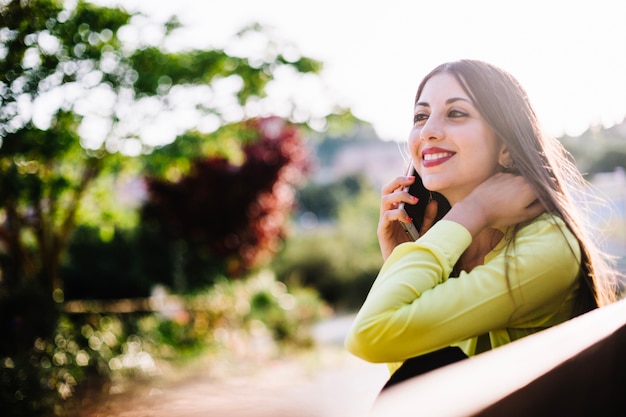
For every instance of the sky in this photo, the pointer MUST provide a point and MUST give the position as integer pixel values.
(570, 55)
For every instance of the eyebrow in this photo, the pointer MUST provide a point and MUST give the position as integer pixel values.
(448, 101)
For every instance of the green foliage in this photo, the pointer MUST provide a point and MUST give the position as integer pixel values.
(56, 60)
(91, 350)
(325, 200)
(340, 259)
(609, 161)
(20, 363)
(25, 313)
(234, 215)
(262, 305)
(174, 160)
(108, 268)
(598, 149)
(74, 104)
(112, 201)
(42, 162)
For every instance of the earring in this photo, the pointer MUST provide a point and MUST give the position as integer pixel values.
(508, 163)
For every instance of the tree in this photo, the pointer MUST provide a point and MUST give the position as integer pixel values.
(230, 217)
(76, 99)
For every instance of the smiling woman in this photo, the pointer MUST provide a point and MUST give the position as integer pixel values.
(513, 255)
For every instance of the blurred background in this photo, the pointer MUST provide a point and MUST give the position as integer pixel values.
(192, 187)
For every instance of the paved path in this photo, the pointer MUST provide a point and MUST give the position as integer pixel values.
(327, 382)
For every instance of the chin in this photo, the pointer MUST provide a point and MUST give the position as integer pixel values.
(431, 184)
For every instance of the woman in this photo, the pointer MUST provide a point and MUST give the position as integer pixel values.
(512, 255)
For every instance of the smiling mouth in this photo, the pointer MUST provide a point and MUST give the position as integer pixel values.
(433, 159)
(439, 155)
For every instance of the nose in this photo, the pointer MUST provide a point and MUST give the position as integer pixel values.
(431, 129)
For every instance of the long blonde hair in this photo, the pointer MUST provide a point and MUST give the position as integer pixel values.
(542, 161)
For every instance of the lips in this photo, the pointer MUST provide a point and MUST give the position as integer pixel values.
(435, 156)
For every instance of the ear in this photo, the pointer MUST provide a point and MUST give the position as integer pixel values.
(504, 158)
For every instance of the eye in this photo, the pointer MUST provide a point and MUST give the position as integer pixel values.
(456, 114)
(420, 118)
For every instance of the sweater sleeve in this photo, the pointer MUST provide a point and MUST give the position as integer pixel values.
(413, 307)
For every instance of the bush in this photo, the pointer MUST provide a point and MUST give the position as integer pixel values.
(340, 259)
(92, 352)
(98, 268)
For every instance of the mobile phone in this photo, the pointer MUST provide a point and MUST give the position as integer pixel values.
(416, 211)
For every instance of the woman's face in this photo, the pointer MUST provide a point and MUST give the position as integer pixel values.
(452, 146)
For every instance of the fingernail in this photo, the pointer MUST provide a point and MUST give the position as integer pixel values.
(411, 219)
(415, 199)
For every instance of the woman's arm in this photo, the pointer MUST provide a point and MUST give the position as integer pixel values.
(413, 307)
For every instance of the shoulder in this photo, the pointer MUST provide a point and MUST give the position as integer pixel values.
(548, 225)
(546, 236)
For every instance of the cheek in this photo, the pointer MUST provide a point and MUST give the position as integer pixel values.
(414, 141)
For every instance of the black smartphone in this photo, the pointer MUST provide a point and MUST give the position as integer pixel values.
(416, 211)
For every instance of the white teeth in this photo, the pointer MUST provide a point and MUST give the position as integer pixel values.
(433, 156)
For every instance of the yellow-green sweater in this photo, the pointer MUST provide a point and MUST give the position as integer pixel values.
(414, 307)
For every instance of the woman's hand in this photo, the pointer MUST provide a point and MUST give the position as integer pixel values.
(500, 201)
(390, 231)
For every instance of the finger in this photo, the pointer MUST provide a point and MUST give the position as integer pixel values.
(397, 183)
(397, 215)
(392, 201)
